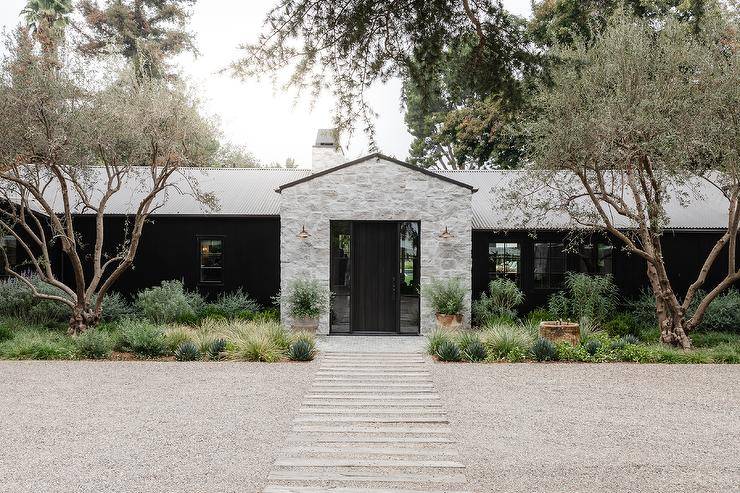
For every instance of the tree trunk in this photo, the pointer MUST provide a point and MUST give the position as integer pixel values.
(83, 317)
(671, 319)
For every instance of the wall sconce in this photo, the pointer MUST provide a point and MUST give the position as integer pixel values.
(446, 235)
(303, 234)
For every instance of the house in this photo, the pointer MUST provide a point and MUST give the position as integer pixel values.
(374, 230)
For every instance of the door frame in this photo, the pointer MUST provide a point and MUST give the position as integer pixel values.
(399, 267)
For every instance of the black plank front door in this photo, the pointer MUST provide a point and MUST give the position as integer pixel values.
(375, 270)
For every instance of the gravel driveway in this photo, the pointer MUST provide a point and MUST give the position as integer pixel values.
(144, 426)
(609, 427)
(139, 426)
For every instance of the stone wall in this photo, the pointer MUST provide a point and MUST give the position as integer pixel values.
(378, 190)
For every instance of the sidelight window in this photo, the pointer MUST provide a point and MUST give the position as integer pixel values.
(211, 260)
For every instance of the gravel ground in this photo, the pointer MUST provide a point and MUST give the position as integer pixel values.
(609, 427)
(144, 426)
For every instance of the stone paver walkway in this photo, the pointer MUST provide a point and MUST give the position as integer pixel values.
(371, 423)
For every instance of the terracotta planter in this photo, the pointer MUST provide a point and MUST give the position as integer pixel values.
(305, 324)
(449, 322)
(557, 331)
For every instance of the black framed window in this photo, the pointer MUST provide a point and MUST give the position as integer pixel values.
(549, 265)
(597, 259)
(504, 260)
(211, 260)
(9, 243)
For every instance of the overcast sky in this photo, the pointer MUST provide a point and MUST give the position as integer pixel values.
(272, 125)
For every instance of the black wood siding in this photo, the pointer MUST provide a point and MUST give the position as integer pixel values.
(685, 251)
(169, 250)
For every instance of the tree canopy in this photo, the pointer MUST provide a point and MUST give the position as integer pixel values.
(635, 119)
(146, 32)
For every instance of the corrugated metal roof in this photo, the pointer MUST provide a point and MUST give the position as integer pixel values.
(707, 208)
(239, 192)
(251, 192)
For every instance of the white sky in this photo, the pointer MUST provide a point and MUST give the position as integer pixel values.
(269, 123)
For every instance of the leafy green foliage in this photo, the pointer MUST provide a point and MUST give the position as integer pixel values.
(435, 339)
(6, 331)
(568, 352)
(141, 338)
(587, 297)
(17, 300)
(449, 351)
(168, 302)
(538, 315)
(723, 314)
(445, 297)
(94, 344)
(235, 304)
(544, 350)
(302, 350)
(621, 325)
(187, 351)
(305, 298)
(116, 307)
(501, 301)
(592, 346)
(175, 337)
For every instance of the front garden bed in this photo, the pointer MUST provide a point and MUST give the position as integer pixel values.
(164, 323)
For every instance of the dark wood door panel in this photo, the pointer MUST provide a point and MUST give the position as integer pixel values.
(375, 277)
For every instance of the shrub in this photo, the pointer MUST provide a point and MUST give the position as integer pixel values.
(466, 338)
(475, 351)
(506, 341)
(617, 345)
(593, 298)
(168, 302)
(6, 333)
(216, 347)
(187, 351)
(446, 297)
(175, 337)
(302, 350)
(116, 307)
(568, 352)
(642, 309)
(723, 313)
(538, 315)
(435, 339)
(592, 346)
(38, 344)
(305, 298)
(231, 305)
(544, 350)
(449, 351)
(630, 339)
(502, 301)
(257, 341)
(257, 347)
(621, 325)
(94, 344)
(141, 338)
(711, 339)
(16, 300)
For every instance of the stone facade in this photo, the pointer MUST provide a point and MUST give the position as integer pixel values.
(377, 189)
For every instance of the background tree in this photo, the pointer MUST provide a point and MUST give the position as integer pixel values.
(146, 32)
(639, 118)
(447, 52)
(73, 140)
(47, 20)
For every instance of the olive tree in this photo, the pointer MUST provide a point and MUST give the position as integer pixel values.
(70, 144)
(645, 115)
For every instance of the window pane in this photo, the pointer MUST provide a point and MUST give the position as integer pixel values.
(211, 260)
(503, 260)
(549, 265)
(605, 256)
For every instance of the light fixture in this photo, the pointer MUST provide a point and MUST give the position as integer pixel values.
(446, 235)
(303, 234)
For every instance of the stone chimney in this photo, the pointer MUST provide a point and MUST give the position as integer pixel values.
(326, 152)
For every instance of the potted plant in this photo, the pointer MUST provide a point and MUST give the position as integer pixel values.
(305, 301)
(446, 297)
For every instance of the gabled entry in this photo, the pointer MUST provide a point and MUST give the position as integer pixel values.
(375, 277)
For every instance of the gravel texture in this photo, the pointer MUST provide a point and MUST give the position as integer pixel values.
(144, 426)
(609, 427)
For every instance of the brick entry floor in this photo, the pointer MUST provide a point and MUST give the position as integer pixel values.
(372, 422)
